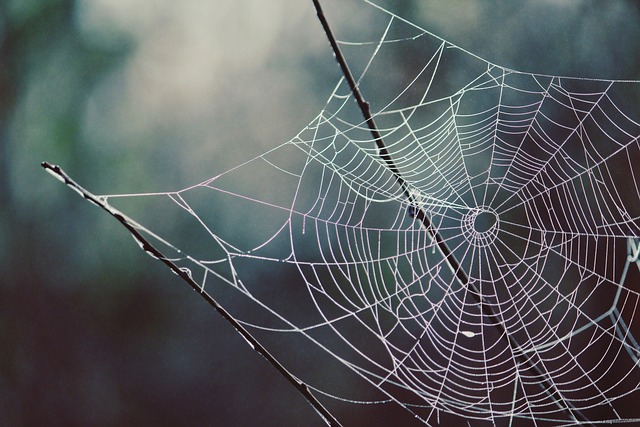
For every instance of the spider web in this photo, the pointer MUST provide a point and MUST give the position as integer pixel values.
(528, 178)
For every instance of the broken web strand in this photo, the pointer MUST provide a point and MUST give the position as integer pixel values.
(440, 205)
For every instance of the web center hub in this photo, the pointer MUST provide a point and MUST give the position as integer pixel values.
(480, 226)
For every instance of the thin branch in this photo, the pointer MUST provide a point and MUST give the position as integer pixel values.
(417, 212)
(384, 152)
(302, 388)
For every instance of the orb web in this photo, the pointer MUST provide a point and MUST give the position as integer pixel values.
(530, 180)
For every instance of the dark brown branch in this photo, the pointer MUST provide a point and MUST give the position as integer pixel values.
(186, 277)
(384, 152)
(417, 212)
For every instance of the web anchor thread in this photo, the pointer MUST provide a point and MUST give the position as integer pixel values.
(144, 243)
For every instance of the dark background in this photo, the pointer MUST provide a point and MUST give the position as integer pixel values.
(132, 96)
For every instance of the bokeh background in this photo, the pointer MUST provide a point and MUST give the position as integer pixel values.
(155, 95)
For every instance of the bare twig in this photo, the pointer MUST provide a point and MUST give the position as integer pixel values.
(186, 277)
(384, 152)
